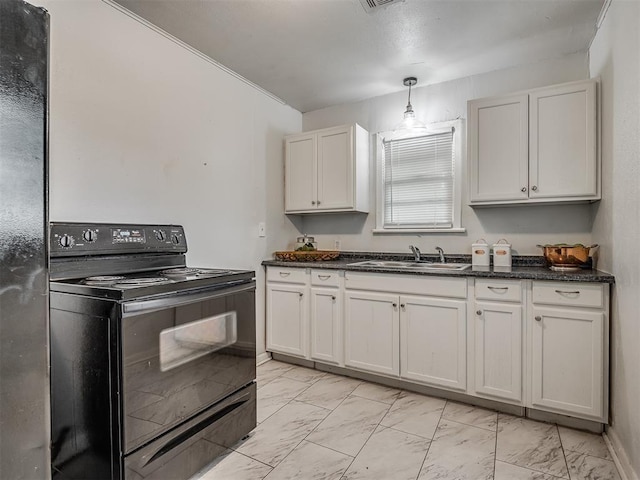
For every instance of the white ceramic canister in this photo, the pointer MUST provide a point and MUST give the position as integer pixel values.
(502, 253)
(480, 253)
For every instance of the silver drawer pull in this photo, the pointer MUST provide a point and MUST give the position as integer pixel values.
(285, 274)
(568, 292)
(497, 288)
(324, 277)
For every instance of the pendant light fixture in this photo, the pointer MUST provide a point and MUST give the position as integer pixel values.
(410, 125)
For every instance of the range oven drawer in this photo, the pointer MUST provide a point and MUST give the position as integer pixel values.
(188, 448)
(181, 354)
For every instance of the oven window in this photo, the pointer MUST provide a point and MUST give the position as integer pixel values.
(186, 342)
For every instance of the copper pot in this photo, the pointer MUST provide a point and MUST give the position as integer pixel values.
(563, 254)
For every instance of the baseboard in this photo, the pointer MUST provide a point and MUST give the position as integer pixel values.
(625, 469)
(262, 357)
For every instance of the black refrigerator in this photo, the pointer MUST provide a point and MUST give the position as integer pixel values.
(24, 357)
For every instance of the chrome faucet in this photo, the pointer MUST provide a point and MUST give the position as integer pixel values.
(416, 253)
(441, 253)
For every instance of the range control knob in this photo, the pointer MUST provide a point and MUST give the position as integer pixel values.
(160, 235)
(175, 239)
(65, 241)
(89, 236)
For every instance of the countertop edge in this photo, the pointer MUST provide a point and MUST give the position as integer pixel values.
(517, 272)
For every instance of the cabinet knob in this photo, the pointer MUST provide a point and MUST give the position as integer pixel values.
(318, 202)
(313, 202)
(534, 188)
(333, 297)
(301, 294)
(523, 189)
(479, 312)
(402, 305)
(538, 318)
(394, 305)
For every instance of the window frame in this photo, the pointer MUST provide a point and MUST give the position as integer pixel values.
(459, 149)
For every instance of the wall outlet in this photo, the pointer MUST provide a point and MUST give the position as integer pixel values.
(336, 244)
(262, 230)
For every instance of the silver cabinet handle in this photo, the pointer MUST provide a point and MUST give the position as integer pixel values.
(479, 312)
(523, 189)
(568, 292)
(538, 318)
(324, 277)
(534, 188)
(285, 274)
(497, 288)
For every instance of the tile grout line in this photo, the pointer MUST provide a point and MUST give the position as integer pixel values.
(564, 455)
(446, 402)
(372, 431)
(495, 448)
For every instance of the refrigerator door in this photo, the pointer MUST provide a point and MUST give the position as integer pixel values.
(24, 380)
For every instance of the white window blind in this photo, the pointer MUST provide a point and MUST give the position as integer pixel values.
(418, 177)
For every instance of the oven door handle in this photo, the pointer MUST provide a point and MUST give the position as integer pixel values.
(145, 306)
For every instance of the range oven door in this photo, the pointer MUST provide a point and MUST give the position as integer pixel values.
(181, 354)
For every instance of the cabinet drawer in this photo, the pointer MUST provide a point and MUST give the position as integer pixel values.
(569, 293)
(408, 284)
(289, 275)
(325, 278)
(500, 290)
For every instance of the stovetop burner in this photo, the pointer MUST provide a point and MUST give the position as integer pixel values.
(187, 271)
(143, 281)
(104, 278)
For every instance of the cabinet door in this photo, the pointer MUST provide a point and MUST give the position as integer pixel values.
(301, 173)
(498, 148)
(372, 332)
(433, 341)
(326, 325)
(562, 156)
(567, 361)
(336, 168)
(498, 350)
(287, 319)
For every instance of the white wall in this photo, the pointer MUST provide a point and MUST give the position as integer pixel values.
(614, 56)
(144, 130)
(524, 227)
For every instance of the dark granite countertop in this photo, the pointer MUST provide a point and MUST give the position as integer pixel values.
(524, 267)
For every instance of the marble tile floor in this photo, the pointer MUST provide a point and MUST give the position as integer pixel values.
(318, 426)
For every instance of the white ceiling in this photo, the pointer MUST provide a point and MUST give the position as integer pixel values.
(318, 53)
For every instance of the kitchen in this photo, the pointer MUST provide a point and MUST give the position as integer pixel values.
(143, 129)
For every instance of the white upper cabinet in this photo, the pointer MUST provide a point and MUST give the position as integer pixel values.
(327, 170)
(535, 147)
(499, 148)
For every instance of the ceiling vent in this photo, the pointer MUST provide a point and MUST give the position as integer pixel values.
(371, 5)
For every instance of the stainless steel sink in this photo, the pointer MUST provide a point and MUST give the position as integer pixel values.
(412, 265)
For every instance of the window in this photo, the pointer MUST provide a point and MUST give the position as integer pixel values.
(419, 182)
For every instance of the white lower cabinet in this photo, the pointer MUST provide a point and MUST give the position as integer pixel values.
(326, 325)
(498, 339)
(567, 361)
(433, 341)
(372, 331)
(569, 325)
(288, 316)
(546, 349)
